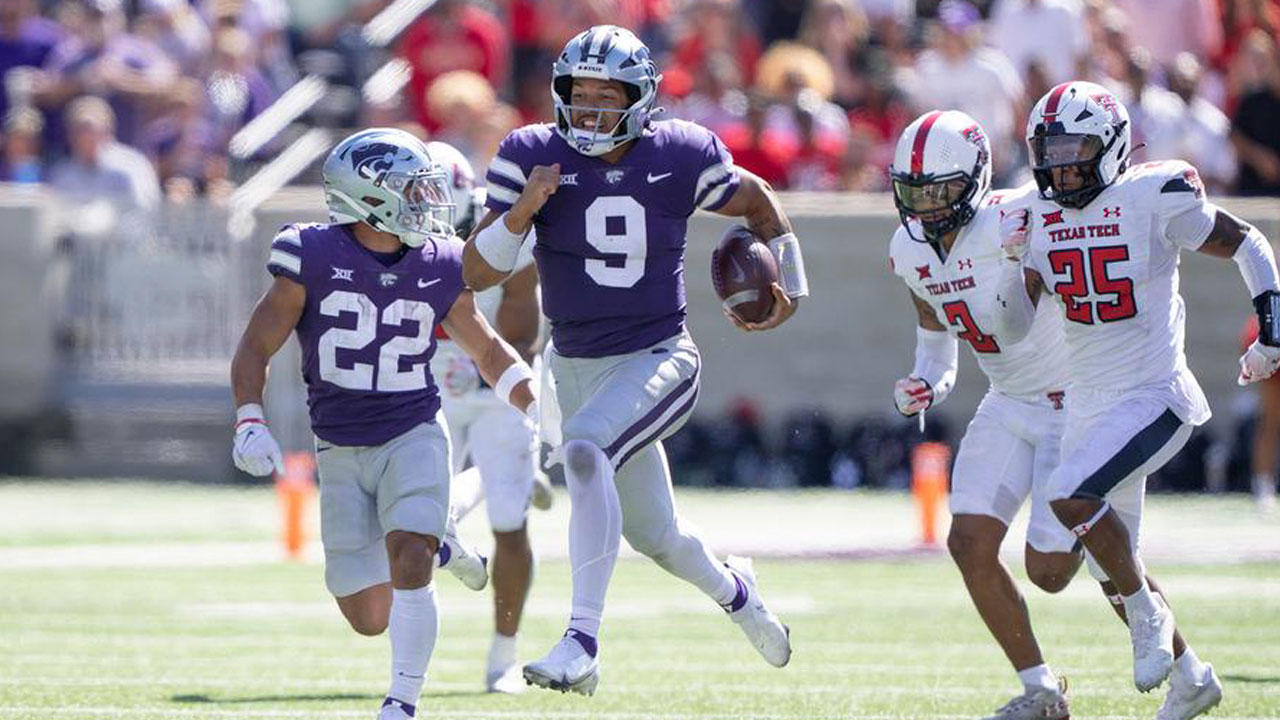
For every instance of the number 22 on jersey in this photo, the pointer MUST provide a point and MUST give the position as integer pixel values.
(361, 376)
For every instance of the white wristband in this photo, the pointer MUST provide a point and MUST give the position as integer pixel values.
(249, 411)
(516, 373)
(498, 245)
(786, 250)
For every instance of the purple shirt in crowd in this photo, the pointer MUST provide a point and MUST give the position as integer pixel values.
(611, 240)
(29, 47)
(367, 329)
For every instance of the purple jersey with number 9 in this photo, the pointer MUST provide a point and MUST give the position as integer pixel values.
(611, 240)
(367, 329)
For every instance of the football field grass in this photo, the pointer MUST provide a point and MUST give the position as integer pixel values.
(84, 635)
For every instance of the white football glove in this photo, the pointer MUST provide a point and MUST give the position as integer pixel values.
(1259, 362)
(254, 450)
(1014, 239)
(912, 395)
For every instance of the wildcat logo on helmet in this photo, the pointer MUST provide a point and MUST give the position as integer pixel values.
(373, 159)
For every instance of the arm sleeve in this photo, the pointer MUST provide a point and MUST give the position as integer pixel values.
(717, 177)
(505, 178)
(1014, 311)
(285, 259)
(937, 355)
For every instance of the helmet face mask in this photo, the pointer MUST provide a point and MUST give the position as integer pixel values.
(1067, 168)
(460, 182)
(604, 53)
(937, 205)
(386, 178)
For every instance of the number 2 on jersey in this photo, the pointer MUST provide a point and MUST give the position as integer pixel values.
(1071, 262)
(958, 315)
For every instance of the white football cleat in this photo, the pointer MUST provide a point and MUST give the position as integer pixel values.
(466, 564)
(542, 496)
(395, 710)
(507, 680)
(765, 631)
(1041, 704)
(568, 667)
(1152, 647)
(1186, 701)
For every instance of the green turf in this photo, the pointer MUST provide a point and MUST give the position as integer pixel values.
(872, 639)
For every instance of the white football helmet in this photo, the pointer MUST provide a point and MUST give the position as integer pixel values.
(1083, 126)
(386, 178)
(468, 200)
(605, 52)
(941, 172)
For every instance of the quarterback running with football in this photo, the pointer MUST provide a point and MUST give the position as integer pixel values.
(947, 251)
(610, 191)
(1103, 238)
(501, 442)
(364, 294)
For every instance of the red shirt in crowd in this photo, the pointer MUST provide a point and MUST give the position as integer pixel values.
(467, 38)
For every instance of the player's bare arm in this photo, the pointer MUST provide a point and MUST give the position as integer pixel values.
(756, 201)
(254, 450)
(498, 362)
(491, 251)
(1226, 236)
(518, 317)
(274, 317)
(925, 315)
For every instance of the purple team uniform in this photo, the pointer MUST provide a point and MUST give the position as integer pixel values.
(611, 240)
(367, 329)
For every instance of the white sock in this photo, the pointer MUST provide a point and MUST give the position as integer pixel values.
(595, 531)
(1038, 677)
(1142, 604)
(502, 652)
(413, 627)
(1188, 667)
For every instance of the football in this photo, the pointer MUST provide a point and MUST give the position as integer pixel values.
(743, 272)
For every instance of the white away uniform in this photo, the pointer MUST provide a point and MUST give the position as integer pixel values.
(500, 441)
(1012, 444)
(1112, 268)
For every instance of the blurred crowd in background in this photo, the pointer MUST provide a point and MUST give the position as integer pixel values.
(139, 99)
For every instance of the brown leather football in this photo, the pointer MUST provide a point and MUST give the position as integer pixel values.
(743, 272)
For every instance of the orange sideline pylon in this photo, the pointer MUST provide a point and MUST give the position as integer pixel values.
(294, 489)
(930, 463)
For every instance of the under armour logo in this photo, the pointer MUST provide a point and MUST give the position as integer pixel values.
(1056, 398)
(965, 264)
(1052, 218)
(341, 274)
(924, 272)
(1111, 211)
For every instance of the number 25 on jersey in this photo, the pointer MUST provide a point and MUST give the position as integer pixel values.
(1080, 274)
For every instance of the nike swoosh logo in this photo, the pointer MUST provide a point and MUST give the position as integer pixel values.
(655, 178)
(428, 283)
(739, 275)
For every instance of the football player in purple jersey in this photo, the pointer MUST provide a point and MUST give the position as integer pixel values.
(610, 192)
(364, 294)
